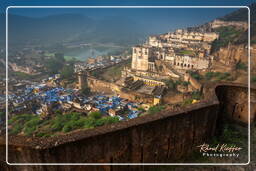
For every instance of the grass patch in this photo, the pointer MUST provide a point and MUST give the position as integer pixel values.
(253, 41)
(217, 76)
(253, 79)
(195, 75)
(186, 52)
(32, 124)
(241, 66)
(155, 109)
(227, 34)
(22, 75)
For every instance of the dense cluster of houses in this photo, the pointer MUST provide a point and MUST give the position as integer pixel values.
(45, 100)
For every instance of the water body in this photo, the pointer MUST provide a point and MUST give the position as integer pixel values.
(84, 52)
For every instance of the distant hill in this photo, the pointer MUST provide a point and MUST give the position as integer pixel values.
(71, 28)
(67, 28)
(241, 14)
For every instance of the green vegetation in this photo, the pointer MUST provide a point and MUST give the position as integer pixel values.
(86, 90)
(2, 115)
(253, 41)
(230, 134)
(195, 95)
(55, 64)
(184, 83)
(155, 109)
(22, 75)
(227, 35)
(218, 76)
(241, 66)
(30, 124)
(187, 102)
(112, 73)
(67, 72)
(253, 79)
(172, 85)
(27, 122)
(67, 58)
(195, 75)
(186, 52)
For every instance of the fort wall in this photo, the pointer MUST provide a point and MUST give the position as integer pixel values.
(163, 137)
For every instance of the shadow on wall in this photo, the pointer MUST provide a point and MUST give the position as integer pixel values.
(163, 137)
(234, 103)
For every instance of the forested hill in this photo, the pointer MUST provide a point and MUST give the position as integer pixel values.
(241, 14)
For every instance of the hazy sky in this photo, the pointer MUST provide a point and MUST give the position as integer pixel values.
(5, 3)
(160, 19)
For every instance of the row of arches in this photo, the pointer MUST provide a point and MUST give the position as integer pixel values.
(184, 65)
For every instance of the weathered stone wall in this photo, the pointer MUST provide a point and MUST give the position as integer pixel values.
(234, 103)
(101, 86)
(232, 53)
(163, 137)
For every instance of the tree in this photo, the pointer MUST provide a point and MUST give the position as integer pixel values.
(67, 72)
(170, 84)
(55, 64)
(86, 90)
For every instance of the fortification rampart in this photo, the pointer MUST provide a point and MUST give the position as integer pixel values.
(163, 137)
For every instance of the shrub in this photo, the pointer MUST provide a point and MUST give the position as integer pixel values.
(16, 129)
(67, 72)
(185, 83)
(187, 102)
(42, 134)
(89, 122)
(209, 75)
(253, 79)
(253, 41)
(196, 95)
(95, 115)
(241, 66)
(29, 130)
(155, 109)
(20, 118)
(109, 120)
(170, 84)
(226, 34)
(217, 75)
(222, 76)
(2, 115)
(195, 75)
(57, 123)
(33, 122)
(68, 126)
(86, 91)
